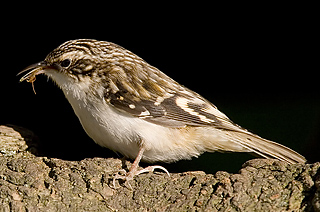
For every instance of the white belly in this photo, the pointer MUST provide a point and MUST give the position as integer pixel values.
(123, 133)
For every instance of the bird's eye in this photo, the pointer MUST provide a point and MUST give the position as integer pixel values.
(65, 63)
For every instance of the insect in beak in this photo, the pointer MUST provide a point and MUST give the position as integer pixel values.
(35, 69)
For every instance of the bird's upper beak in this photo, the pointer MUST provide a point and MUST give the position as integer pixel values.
(35, 69)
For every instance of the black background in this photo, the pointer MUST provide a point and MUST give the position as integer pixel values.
(257, 63)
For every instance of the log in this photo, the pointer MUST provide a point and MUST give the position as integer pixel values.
(30, 181)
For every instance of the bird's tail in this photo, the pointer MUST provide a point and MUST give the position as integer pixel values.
(244, 141)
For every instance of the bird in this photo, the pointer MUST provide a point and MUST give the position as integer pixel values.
(131, 107)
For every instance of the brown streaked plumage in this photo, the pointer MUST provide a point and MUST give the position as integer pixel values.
(131, 107)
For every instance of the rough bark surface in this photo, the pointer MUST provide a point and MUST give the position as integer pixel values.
(29, 182)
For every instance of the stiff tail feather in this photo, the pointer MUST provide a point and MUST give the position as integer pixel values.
(263, 147)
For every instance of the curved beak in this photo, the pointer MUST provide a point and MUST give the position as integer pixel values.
(35, 69)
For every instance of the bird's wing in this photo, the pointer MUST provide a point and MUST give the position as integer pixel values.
(177, 109)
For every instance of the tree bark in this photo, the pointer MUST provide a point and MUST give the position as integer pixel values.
(29, 182)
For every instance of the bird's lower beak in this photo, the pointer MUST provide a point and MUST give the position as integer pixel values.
(34, 69)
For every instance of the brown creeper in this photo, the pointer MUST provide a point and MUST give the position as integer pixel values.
(131, 107)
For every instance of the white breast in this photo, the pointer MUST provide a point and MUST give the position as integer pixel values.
(106, 126)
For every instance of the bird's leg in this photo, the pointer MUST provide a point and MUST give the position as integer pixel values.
(134, 169)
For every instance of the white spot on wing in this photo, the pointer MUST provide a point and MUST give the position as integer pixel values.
(145, 113)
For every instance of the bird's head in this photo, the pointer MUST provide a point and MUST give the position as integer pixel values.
(90, 63)
(75, 61)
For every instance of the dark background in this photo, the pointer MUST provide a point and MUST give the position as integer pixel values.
(256, 63)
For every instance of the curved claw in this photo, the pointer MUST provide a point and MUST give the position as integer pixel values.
(151, 169)
(129, 176)
(118, 176)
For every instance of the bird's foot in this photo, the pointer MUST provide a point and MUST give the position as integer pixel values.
(124, 176)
